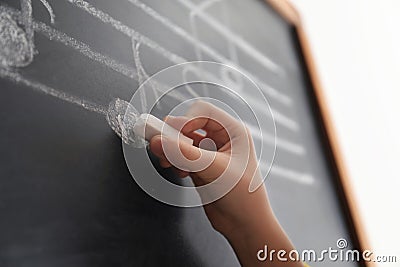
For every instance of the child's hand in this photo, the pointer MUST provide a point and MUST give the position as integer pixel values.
(244, 218)
(234, 156)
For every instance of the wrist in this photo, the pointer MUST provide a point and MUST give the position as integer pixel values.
(258, 226)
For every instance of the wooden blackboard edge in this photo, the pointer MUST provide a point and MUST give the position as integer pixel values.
(290, 14)
(286, 10)
(344, 179)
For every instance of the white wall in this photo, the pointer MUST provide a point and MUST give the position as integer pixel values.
(356, 44)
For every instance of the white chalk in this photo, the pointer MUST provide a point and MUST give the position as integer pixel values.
(147, 126)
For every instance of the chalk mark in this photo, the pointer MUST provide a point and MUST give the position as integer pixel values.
(142, 75)
(290, 174)
(245, 46)
(272, 92)
(19, 79)
(50, 10)
(16, 49)
(55, 35)
(27, 22)
(279, 117)
(286, 145)
(192, 16)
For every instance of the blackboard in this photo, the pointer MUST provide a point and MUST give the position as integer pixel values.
(66, 195)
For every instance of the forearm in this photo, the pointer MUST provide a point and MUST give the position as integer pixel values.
(248, 241)
(244, 217)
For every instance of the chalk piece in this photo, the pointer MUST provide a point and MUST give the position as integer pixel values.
(148, 126)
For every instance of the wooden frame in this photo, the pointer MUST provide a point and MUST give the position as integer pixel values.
(355, 225)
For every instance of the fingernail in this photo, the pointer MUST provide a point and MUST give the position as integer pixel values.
(169, 117)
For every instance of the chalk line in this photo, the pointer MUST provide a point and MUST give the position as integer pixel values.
(139, 67)
(91, 106)
(153, 84)
(292, 175)
(26, 15)
(55, 35)
(209, 50)
(279, 117)
(233, 55)
(245, 46)
(286, 145)
(19, 79)
(104, 17)
(26, 19)
(84, 49)
(192, 15)
(50, 10)
(285, 120)
(289, 174)
(118, 25)
(140, 72)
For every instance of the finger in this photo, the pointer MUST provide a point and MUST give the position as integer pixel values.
(214, 165)
(219, 125)
(196, 137)
(165, 163)
(203, 122)
(178, 123)
(156, 146)
(180, 173)
(197, 180)
(190, 158)
(220, 137)
(212, 119)
(189, 127)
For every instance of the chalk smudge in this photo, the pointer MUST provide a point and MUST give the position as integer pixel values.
(16, 50)
(121, 117)
(17, 44)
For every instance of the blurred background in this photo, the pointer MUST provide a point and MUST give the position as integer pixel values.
(356, 45)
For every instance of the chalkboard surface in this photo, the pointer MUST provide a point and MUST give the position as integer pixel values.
(66, 195)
